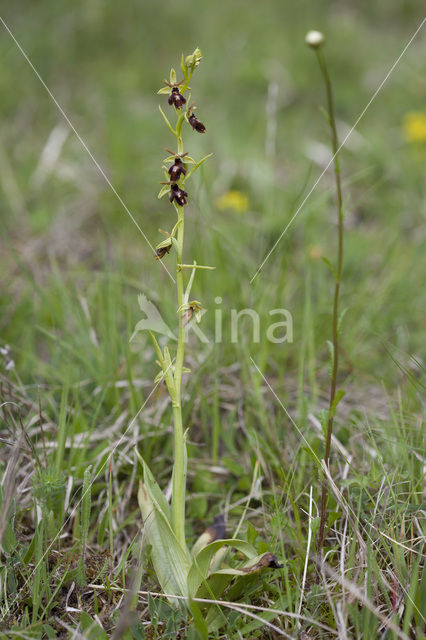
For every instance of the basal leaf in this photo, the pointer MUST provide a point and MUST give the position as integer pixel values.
(154, 490)
(199, 620)
(200, 567)
(170, 561)
(264, 561)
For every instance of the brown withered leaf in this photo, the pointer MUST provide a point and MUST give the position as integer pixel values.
(215, 531)
(268, 560)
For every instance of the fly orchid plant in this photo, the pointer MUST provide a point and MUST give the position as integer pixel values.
(201, 572)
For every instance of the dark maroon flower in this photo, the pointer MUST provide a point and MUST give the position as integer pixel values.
(196, 124)
(178, 194)
(176, 98)
(177, 169)
(161, 252)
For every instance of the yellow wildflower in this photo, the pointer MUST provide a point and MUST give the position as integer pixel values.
(235, 200)
(315, 252)
(414, 126)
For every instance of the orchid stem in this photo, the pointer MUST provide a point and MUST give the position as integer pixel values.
(179, 468)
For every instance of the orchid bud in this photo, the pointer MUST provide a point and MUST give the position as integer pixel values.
(194, 59)
(196, 124)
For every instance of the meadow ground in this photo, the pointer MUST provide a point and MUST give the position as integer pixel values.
(76, 394)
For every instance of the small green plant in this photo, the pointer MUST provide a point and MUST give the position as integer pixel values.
(202, 571)
(315, 39)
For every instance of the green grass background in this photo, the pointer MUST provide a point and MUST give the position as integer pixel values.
(72, 263)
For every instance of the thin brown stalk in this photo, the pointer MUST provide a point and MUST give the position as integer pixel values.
(338, 278)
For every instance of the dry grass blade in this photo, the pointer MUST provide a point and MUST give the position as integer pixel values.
(229, 605)
(358, 595)
(8, 483)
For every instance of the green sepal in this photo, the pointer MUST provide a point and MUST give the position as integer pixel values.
(165, 243)
(165, 189)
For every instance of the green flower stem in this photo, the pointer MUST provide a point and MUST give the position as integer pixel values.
(179, 468)
(338, 278)
(196, 266)
(187, 81)
(174, 381)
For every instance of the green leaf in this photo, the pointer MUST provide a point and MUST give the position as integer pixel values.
(137, 631)
(252, 533)
(324, 415)
(315, 523)
(92, 631)
(49, 631)
(339, 395)
(199, 620)
(200, 567)
(340, 320)
(331, 349)
(197, 165)
(163, 91)
(265, 616)
(198, 507)
(167, 121)
(170, 561)
(157, 495)
(330, 266)
(173, 77)
(215, 617)
(153, 321)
